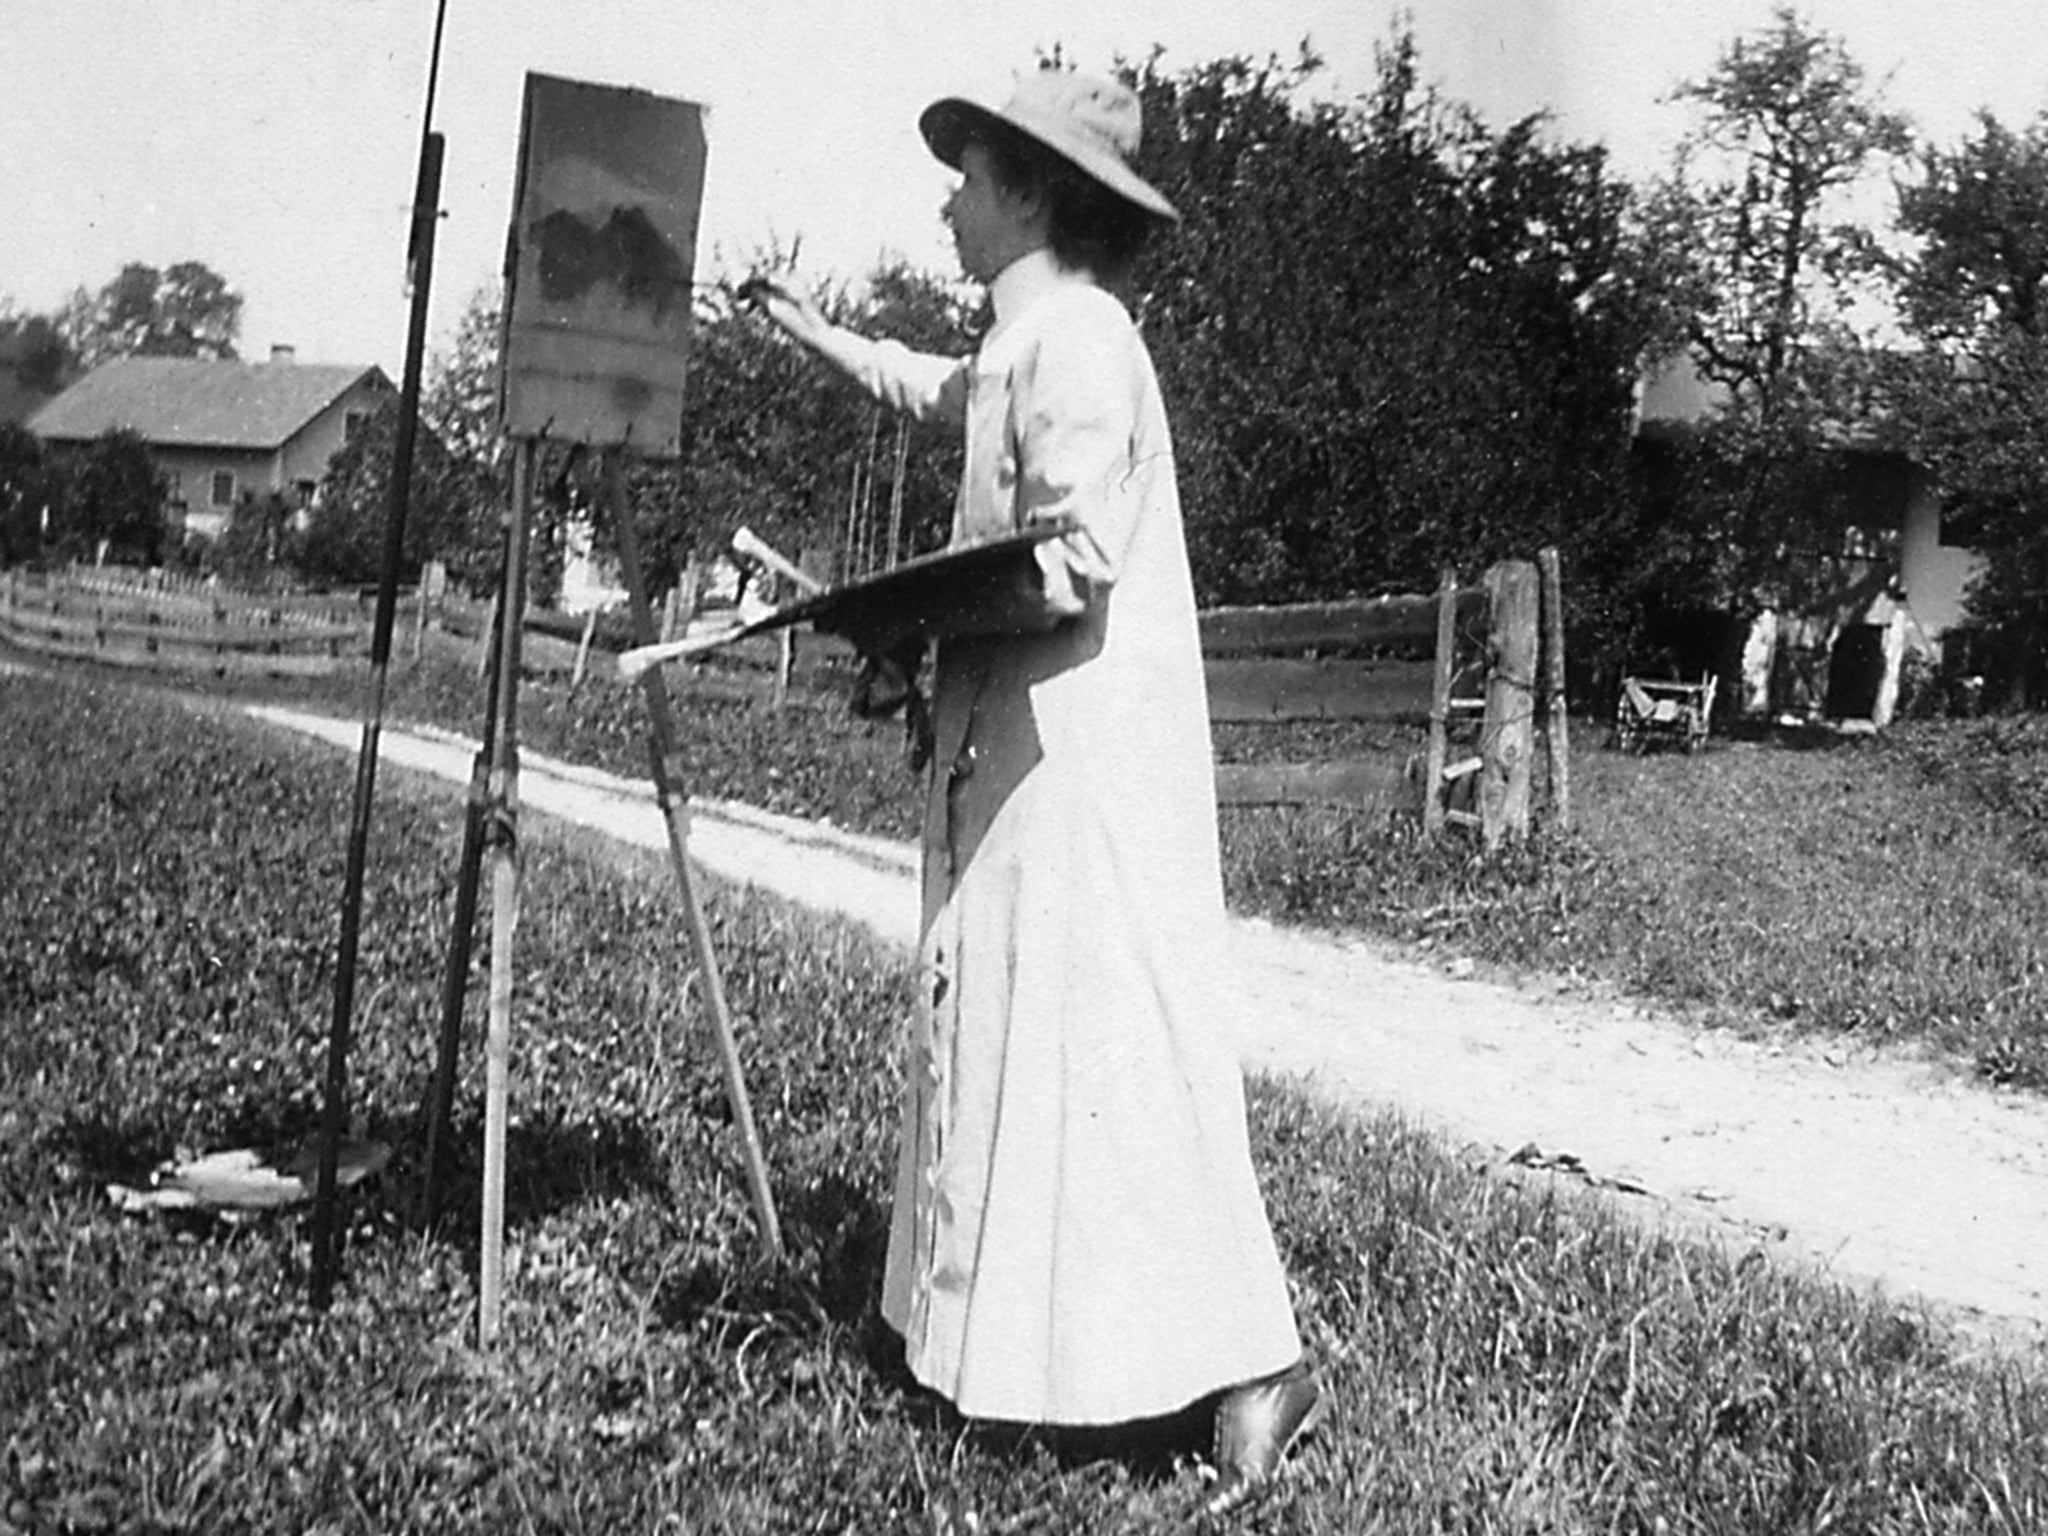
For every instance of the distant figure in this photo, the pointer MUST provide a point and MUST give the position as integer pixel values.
(1078, 1236)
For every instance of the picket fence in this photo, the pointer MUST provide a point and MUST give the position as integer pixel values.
(129, 618)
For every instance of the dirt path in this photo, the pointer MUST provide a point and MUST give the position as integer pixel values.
(1879, 1170)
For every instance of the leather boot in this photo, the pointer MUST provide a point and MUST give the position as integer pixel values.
(1257, 1424)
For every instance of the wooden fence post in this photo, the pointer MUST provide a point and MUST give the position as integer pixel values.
(583, 650)
(1440, 701)
(785, 665)
(1556, 723)
(1508, 734)
(690, 588)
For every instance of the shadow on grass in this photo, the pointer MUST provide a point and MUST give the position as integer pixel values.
(101, 1153)
(829, 1287)
(550, 1166)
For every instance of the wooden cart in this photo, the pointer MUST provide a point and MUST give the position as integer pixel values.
(1657, 710)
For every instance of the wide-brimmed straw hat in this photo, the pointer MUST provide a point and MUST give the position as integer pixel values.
(1088, 120)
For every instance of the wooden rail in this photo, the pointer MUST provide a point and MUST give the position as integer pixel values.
(136, 620)
(1273, 666)
(1482, 667)
(1404, 619)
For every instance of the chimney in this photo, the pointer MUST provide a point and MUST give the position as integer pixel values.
(282, 353)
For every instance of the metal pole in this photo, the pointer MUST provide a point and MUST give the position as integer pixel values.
(425, 214)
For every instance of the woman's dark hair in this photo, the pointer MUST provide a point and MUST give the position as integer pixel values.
(1089, 226)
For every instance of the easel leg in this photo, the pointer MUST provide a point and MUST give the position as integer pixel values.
(440, 1108)
(504, 841)
(669, 796)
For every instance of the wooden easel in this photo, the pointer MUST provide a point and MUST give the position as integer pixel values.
(493, 826)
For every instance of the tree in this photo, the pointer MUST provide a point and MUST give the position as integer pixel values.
(801, 455)
(35, 363)
(109, 502)
(1975, 401)
(459, 406)
(768, 439)
(1391, 338)
(1767, 301)
(1980, 212)
(25, 492)
(185, 310)
(1789, 128)
(261, 547)
(344, 540)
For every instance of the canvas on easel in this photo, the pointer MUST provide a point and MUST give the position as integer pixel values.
(599, 262)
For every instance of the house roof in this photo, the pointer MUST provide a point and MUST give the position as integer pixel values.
(197, 402)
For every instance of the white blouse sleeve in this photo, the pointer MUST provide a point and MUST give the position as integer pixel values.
(1075, 414)
(922, 384)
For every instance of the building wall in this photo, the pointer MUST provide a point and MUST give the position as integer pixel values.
(1936, 576)
(1673, 393)
(191, 471)
(305, 456)
(298, 466)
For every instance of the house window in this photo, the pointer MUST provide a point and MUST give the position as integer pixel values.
(1961, 527)
(352, 425)
(306, 490)
(223, 488)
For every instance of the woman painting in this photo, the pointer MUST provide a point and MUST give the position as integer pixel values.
(1078, 1236)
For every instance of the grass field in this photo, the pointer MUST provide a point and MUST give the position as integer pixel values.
(1889, 890)
(1503, 1359)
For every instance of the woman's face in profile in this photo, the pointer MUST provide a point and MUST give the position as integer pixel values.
(992, 224)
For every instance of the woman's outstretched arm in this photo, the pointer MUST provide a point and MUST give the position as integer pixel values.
(922, 384)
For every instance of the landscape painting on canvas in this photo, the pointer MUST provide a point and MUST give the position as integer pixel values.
(598, 268)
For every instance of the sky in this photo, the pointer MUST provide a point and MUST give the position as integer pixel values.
(277, 140)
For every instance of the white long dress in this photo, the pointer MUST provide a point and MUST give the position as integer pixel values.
(1078, 1235)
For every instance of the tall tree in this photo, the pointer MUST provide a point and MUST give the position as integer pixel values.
(1391, 337)
(1980, 211)
(184, 310)
(1763, 204)
(1976, 397)
(35, 363)
(1789, 128)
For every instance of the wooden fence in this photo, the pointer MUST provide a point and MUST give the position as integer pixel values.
(1481, 667)
(145, 619)
(1368, 660)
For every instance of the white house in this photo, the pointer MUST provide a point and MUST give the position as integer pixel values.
(220, 430)
(1905, 573)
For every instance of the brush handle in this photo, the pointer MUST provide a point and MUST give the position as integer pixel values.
(636, 661)
(750, 544)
